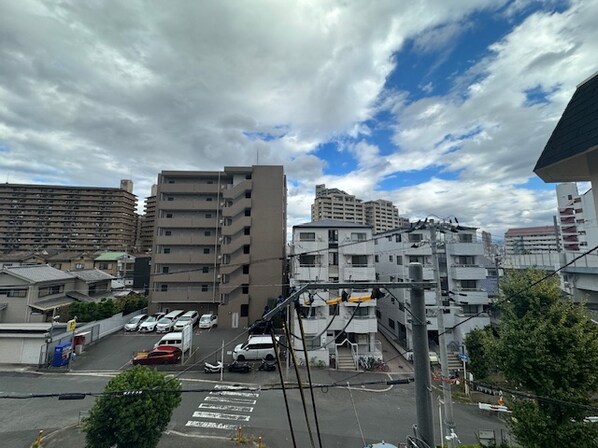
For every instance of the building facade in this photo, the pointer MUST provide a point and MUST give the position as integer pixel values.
(462, 278)
(219, 242)
(335, 204)
(36, 217)
(148, 221)
(335, 252)
(532, 240)
(577, 216)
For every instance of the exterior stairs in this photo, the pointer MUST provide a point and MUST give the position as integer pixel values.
(344, 360)
(454, 363)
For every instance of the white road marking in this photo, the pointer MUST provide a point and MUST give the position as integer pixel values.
(235, 394)
(231, 400)
(219, 416)
(211, 425)
(225, 407)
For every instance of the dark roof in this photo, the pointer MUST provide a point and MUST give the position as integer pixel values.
(332, 223)
(575, 134)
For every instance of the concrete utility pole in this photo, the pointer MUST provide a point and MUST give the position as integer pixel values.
(449, 421)
(421, 358)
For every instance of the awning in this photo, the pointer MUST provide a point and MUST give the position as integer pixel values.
(50, 304)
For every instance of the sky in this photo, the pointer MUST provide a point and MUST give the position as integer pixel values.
(441, 107)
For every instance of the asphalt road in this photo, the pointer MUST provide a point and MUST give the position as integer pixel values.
(346, 417)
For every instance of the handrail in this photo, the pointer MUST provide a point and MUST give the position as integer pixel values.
(354, 350)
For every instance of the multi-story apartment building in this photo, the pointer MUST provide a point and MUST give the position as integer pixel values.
(461, 276)
(219, 241)
(579, 229)
(35, 217)
(532, 240)
(336, 252)
(332, 203)
(148, 221)
(382, 215)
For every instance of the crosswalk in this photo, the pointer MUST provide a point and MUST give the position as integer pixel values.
(225, 408)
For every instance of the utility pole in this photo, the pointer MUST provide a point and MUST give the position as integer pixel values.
(421, 358)
(449, 421)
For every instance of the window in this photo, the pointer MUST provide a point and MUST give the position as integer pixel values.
(358, 236)
(469, 284)
(168, 232)
(206, 250)
(245, 289)
(390, 258)
(8, 292)
(204, 288)
(79, 266)
(399, 259)
(376, 258)
(208, 215)
(163, 288)
(246, 249)
(165, 269)
(307, 236)
(248, 194)
(245, 269)
(247, 212)
(359, 260)
(307, 260)
(391, 323)
(247, 230)
(466, 238)
(205, 269)
(244, 310)
(207, 233)
(169, 215)
(209, 199)
(392, 278)
(398, 238)
(415, 237)
(333, 310)
(361, 312)
(170, 198)
(378, 314)
(166, 250)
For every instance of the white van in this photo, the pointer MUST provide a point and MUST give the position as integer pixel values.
(189, 318)
(174, 339)
(256, 347)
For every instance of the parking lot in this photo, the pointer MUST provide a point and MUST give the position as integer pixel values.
(115, 352)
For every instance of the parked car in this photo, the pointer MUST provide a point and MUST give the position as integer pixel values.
(208, 321)
(189, 318)
(165, 354)
(164, 325)
(134, 322)
(149, 324)
(256, 347)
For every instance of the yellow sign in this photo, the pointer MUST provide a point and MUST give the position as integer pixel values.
(70, 325)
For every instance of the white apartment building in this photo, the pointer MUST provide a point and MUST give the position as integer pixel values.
(461, 277)
(532, 240)
(335, 251)
(577, 216)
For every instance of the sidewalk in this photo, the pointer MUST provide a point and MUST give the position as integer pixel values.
(393, 356)
(73, 437)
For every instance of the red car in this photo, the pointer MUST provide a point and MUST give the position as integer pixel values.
(165, 354)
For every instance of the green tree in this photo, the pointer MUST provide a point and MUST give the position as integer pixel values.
(135, 419)
(548, 346)
(481, 347)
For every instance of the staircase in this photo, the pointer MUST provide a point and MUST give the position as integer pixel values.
(454, 363)
(344, 360)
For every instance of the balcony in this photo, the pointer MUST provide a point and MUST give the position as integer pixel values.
(472, 296)
(458, 248)
(186, 223)
(468, 272)
(191, 187)
(183, 258)
(188, 204)
(357, 272)
(234, 191)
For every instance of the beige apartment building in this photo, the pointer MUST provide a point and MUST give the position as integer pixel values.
(332, 203)
(148, 221)
(219, 242)
(36, 217)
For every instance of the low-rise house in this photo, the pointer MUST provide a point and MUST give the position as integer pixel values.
(31, 294)
(21, 258)
(71, 261)
(118, 264)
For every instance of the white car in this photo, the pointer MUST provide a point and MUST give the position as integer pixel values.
(134, 322)
(208, 321)
(149, 324)
(164, 325)
(189, 318)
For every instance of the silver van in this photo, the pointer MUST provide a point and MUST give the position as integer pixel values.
(256, 347)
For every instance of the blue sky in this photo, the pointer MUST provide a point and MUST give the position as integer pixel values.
(441, 107)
